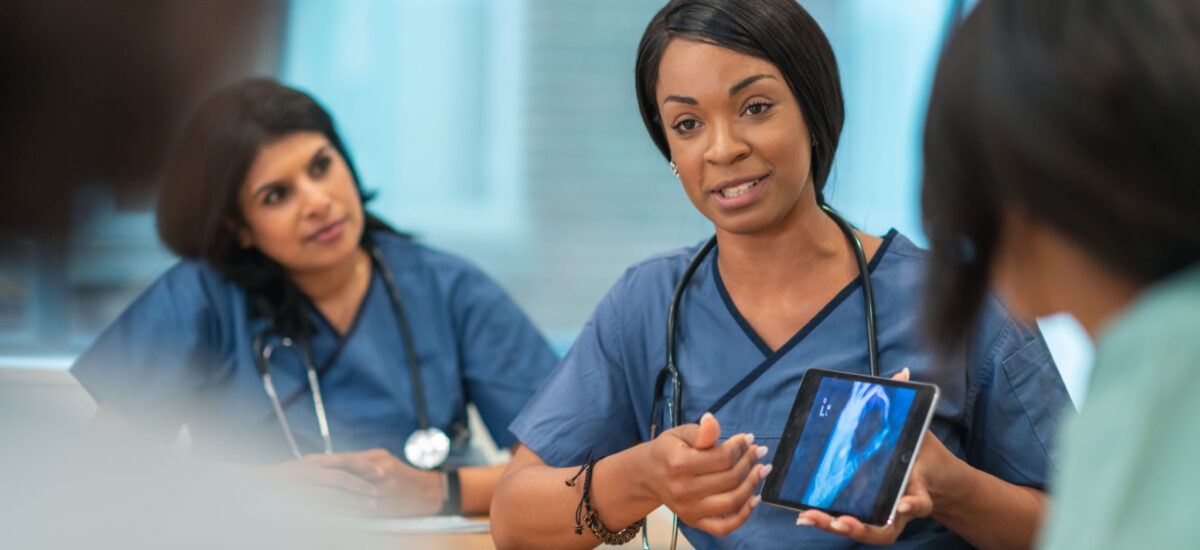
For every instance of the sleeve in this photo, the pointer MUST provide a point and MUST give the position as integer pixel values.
(505, 358)
(585, 405)
(1018, 398)
(146, 365)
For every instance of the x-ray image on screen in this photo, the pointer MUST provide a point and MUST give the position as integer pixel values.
(846, 446)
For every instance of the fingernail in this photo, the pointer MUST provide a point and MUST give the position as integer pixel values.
(904, 507)
(803, 521)
(765, 470)
(749, 439)
(906, 372)
(761, 451)
(837, 525)
(707, 414)
(755, 500)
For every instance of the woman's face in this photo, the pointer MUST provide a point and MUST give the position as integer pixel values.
(300, 204)
(736, 135)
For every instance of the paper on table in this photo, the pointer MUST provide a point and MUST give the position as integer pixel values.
(421, 525)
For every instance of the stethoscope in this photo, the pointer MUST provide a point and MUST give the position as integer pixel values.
(675, 407)
(426, 448)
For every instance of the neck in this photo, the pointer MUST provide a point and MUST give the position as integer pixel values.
(1066, 278)
(334, 281)
(808, 243)
(1096, 299)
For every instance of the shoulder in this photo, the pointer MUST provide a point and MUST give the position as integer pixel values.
(404, 253)
(192, 281)
(661, 269)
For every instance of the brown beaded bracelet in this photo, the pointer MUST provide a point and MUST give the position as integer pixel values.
(609, 537)
(584, 514)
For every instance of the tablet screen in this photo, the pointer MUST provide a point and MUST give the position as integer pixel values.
(849, 444)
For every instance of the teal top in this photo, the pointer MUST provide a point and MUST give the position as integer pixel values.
(1130, 476)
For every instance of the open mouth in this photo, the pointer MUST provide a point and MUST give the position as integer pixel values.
(738, 190)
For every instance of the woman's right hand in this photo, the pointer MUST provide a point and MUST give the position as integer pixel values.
(328, 480)
(710, 487)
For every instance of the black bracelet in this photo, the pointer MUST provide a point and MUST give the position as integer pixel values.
(452, 502)
(585, 514)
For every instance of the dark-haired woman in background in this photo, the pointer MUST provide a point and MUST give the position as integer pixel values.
(1061, 153)
(299, 325)
(743, 99)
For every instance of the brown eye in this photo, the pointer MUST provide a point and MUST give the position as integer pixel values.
(685, 125)
(320, 166)
(758, 108)
(276, 195)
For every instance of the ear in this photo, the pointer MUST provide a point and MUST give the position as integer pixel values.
(240, 232)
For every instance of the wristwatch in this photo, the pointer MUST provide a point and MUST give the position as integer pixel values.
(452, 493)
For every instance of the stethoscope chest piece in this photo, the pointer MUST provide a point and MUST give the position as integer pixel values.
(427, 449)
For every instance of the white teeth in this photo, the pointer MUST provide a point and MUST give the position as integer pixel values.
(739, 190)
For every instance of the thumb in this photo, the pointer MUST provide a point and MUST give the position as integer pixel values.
(903, 375)
(710, 432)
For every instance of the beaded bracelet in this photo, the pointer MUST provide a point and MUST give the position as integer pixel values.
(584, 514)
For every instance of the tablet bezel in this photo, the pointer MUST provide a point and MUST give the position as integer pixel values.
(916, 424)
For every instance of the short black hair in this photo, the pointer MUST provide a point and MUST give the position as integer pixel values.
(198, 210)
(1082, 113)
(778, 31)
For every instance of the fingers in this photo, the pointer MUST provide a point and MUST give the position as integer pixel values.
(725, 480)
(709, 433)
(342, 480)
(689, 462)
(727, 503)
(700, 436)
(914, 506)
(373, 464)
(849, 526)
(723, 525)
(903, 375)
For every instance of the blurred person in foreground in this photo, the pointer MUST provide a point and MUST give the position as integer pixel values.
(1061, 165)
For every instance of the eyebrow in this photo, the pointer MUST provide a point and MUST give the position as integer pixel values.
(733, 90)
(271, 184)
(746, 82)
(681, 99)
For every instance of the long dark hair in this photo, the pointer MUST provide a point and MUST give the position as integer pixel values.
(1083, 114)
(198, 213)
(778, 31)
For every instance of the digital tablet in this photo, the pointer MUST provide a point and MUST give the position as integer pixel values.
(849, 445)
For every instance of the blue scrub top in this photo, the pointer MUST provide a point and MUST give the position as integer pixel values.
(183, 353)
(999, 405)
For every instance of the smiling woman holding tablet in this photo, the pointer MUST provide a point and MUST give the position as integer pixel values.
(743, 99)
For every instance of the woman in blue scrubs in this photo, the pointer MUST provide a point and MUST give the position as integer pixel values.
(263, 204)
(743, 99)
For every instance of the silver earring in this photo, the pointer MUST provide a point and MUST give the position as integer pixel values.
(674, 169)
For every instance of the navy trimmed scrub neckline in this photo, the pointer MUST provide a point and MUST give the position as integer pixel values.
(772, 357)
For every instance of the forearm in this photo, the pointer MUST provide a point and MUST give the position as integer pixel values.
(988, 512)
(534, 508)
(478, 484)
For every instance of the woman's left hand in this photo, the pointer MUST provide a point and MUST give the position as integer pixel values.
(915, 503)
(403, 490)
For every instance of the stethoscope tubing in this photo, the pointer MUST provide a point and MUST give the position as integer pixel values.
(264, 350)
(672, 370)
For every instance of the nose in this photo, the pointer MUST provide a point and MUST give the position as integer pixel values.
(317, 200)
(725, 146)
